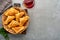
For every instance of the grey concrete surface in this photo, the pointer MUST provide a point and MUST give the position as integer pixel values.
(44, 21)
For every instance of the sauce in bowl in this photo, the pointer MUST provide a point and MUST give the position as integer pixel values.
(29, 3)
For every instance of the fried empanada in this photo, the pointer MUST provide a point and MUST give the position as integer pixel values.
(23, 20)
(19, 15)
(11, 12)
(18, 29)
(9, 18)
(13, 24)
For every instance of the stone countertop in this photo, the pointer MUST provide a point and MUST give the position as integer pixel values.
(44, 21)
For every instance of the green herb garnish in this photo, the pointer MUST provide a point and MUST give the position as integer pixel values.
(4, 33)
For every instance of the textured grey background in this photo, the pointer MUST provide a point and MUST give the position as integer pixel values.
(44, 21)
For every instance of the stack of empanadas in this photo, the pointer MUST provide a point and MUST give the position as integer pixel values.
(15, 21)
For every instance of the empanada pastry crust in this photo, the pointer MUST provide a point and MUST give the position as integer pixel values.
(11, 12)
(18, 29)
(19, 15)
(9, 18)
(23, 20)
(13, 24)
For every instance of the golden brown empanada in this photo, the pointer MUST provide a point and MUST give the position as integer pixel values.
(11, 12)
(9, 18)
(18, 29)
(23, 20)
(19, 15)
(13, 24)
